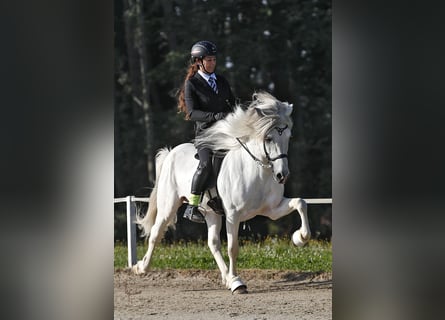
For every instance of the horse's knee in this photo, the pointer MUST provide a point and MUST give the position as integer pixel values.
(300, 204)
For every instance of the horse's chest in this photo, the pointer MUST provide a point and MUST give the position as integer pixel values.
(250, 190)
(260, 198)
(267, 200)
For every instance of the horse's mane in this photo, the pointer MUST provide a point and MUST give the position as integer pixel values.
(262, 114)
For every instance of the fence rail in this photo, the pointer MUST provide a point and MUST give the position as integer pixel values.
(131, 221)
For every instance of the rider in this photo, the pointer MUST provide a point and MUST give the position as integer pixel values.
(205, 98)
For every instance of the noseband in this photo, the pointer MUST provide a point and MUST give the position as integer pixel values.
(268, 164)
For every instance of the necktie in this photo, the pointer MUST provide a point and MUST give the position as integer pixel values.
(212, 84)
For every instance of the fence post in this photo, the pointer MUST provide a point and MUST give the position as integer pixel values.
(131, 231)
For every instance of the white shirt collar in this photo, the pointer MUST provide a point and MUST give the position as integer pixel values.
(206, 76)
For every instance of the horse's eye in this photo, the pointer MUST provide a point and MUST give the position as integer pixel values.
(268, 139)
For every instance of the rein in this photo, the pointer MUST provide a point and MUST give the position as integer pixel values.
(269, 159)
(258, 161)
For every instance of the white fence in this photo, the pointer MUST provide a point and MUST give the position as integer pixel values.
(131, 221)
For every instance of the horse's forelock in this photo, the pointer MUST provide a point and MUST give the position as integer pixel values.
(270, 112)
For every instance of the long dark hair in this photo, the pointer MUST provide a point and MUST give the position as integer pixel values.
(193, 68)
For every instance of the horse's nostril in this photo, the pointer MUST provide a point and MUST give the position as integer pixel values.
(281, 178)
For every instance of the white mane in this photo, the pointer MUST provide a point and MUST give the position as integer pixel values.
(253, 122)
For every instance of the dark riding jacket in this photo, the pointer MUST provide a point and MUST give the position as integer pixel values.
(203, 104)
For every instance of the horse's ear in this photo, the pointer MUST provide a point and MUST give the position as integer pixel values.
(260, 112)
(264, 113)
(289, 109)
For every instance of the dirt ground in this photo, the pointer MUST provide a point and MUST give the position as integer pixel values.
(199, 294)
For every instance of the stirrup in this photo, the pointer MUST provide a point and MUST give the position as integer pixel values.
(192, 213)
(216, 204)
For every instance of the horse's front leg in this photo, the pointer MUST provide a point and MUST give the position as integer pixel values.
(234, 281)
(302, 235)
(214, 224)
(286, 206)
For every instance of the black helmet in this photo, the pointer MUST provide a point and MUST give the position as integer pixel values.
(202, 49)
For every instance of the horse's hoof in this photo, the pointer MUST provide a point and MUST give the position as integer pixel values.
(240, 290)
(136, 270)
(238, 287)
(298, 239)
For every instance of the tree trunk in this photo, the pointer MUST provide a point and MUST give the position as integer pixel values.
(148, 115)
(137, 56)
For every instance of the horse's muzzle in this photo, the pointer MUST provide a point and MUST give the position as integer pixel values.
(281, 178)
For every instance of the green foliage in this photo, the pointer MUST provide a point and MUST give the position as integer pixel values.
(273, 253)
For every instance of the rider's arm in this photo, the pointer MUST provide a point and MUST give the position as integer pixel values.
(192, 104)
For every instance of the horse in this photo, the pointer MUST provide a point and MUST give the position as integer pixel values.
(254, 140)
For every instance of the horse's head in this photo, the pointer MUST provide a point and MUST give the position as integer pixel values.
(275, 144)
(272, 122)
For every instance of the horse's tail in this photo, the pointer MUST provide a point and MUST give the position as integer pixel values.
(146, 223)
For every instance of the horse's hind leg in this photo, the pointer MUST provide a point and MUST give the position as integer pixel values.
(156, 234)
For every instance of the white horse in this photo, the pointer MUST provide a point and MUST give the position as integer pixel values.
(250, 182)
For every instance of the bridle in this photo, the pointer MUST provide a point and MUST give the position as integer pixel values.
(269, 163)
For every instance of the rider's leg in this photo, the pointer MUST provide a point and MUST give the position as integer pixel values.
(198, 185)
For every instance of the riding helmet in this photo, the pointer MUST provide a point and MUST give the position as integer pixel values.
(202, 49)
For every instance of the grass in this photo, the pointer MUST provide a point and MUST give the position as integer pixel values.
(273, 253)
